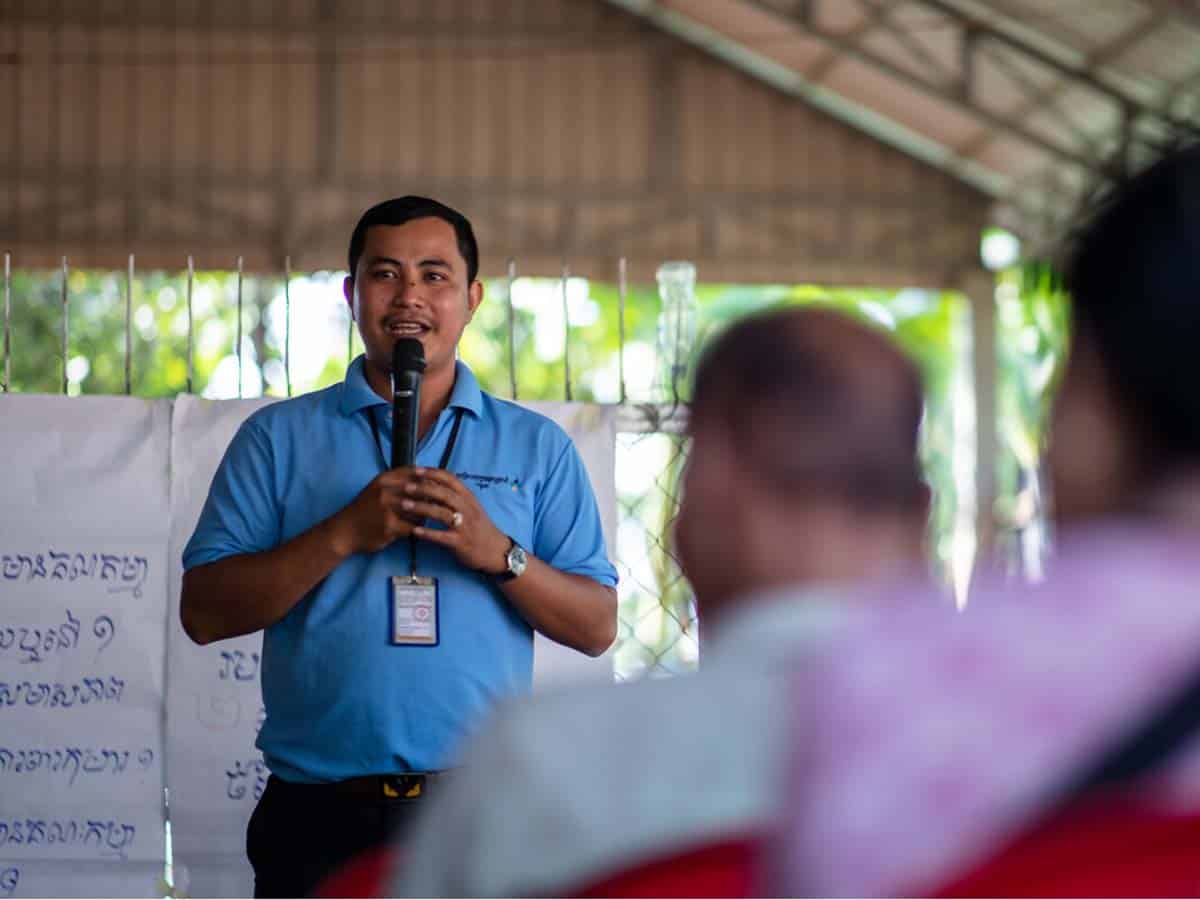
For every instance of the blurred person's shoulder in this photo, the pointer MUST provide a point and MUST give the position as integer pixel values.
(595, 776)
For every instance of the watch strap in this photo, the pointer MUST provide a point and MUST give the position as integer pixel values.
(508, 574)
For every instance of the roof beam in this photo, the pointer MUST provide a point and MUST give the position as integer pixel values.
(881, 12)
(793, 83)
(1083, 76)
(876, 14)
(1186, 12)
(1038, 97)
(951, 95)
(1114, 48)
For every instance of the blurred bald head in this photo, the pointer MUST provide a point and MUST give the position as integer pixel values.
(804, 465)
(826, 404)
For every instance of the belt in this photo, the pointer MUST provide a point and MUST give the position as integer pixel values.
(403, 786)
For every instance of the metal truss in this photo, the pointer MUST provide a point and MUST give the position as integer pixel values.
(1082, 118)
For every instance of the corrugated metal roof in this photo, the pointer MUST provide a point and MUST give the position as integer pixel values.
(1032, 100)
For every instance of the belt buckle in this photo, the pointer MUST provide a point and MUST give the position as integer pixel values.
(403, 787)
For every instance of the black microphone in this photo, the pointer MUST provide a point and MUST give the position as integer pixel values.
(408, 362)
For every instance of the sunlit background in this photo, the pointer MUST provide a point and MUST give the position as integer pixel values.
(297, 336)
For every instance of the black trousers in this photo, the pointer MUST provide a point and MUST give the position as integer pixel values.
(299, 834)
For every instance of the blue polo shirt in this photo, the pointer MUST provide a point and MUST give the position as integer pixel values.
(341, 700)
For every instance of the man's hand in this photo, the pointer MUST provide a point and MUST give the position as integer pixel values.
(376, 517)
(571, 609)
(472, 536)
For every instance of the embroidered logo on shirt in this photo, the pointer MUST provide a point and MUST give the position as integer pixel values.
(484, 482)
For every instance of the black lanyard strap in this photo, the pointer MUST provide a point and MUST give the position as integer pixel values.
(445, 460)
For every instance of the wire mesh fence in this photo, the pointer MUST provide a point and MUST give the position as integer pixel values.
(657, 628)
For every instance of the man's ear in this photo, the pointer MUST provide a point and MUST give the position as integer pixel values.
(348, 293)
(474, 296)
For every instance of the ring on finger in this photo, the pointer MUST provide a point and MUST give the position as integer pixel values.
(456, 519)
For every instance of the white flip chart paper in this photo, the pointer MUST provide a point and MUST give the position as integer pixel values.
(214, 698)
(83, 597)
(593, 429)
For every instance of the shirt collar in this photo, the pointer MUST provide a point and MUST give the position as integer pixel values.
(466, 393)
(357, 393)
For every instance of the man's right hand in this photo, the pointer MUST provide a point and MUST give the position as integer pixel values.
(374, 518)
(245, 593)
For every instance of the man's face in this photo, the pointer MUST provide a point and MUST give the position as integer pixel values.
(411, 282)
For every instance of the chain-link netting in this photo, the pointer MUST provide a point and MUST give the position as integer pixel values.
(657, 632)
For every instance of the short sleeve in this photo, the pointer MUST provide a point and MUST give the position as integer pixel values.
(567, 533)
(241, 514)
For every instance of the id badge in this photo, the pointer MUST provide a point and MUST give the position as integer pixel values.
(414, 611)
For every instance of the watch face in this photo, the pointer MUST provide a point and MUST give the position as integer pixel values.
(517, 559)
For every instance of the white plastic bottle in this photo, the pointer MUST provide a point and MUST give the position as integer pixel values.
(676, 329)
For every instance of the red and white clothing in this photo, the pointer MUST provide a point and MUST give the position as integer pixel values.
(922, 744)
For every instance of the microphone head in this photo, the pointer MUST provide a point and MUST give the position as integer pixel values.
(408, 355)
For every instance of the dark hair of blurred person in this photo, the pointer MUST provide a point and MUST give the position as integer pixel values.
(1127, 424)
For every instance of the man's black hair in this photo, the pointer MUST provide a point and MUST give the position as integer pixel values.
(1134, 280)
(404, 209)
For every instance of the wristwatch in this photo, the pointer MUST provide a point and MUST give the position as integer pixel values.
(516, 560)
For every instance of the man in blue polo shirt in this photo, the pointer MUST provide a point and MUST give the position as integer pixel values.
(398, 604)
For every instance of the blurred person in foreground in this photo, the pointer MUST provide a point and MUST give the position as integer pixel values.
(802, 487)
(1032, 735)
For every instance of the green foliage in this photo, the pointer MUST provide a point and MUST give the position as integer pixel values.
(1032, 335)
(158, 315)
(1032, 330)
(593, 348)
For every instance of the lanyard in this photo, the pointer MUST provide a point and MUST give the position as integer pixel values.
(458, 415)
